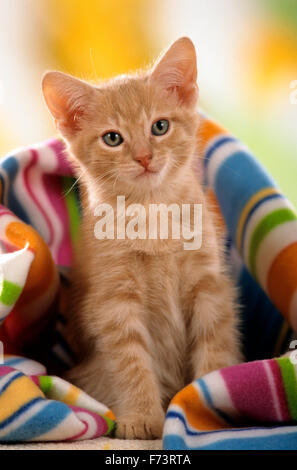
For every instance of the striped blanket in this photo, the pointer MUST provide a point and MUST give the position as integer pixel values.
(39, 219)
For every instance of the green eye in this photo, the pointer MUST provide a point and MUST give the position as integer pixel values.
(160, 127)
(113, 139)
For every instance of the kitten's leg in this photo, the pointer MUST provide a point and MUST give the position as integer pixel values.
(122, 350)
(124, 345)
(213, 327)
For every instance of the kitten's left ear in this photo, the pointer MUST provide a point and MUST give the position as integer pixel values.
(177, 70)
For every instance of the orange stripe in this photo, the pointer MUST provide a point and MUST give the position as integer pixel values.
(42, 270)
(198, 415)
(282, 278)
(207, 131)
(110, 415)
(72, 395)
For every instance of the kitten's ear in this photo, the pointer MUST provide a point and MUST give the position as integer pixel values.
(177, 70)
(68, 99)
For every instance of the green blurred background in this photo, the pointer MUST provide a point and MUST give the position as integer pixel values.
(247, 60)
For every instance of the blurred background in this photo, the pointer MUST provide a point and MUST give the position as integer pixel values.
(247, 60)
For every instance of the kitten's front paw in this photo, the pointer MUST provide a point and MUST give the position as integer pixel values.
(139, 427)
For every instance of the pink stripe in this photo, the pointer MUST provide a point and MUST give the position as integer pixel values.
(52, 186)
(35, 379)
(4, 370)
(27, 169)
(250, 391)
(64, 167)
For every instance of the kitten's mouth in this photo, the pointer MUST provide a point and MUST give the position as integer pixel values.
(147, 173)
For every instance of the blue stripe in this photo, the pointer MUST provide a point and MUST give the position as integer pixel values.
(45, 420)
(16, 376)
(271, 442)
(237, 179)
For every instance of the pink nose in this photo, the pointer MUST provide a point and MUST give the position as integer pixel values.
(144, 160)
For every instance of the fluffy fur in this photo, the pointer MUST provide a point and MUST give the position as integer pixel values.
(145, 317)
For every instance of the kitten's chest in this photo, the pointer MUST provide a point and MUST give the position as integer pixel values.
(163, 302)
(165, 321)
(162, 282)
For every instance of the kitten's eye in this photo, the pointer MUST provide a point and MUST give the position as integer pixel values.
(113, 139)
(160, 127)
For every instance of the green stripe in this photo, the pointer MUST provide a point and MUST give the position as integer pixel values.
(72, 204)
(290, 383)
(45, 383)
(110, 424)
(266, 225)
(10, 292)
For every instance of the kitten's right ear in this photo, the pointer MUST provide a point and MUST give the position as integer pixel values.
(68, 99)
(177, 70)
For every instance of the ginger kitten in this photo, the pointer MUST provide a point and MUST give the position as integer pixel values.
(145, 316)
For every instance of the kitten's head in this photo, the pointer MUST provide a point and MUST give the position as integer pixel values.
(133, 133)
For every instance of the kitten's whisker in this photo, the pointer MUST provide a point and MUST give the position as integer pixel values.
(74, 184)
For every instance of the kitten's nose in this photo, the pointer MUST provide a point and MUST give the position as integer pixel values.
(144, 160)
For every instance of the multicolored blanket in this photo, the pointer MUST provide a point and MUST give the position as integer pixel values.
(39, 219)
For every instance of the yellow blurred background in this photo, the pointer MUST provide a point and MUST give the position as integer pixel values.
(247, 60)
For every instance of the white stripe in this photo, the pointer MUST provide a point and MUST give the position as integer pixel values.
(15, 265)
(221, 154)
